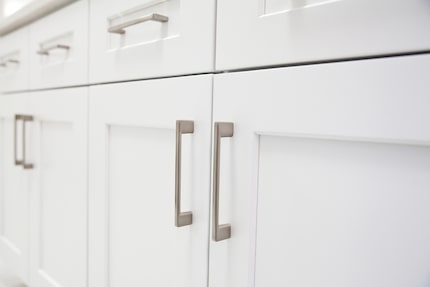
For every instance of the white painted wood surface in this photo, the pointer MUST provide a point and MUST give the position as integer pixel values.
(31, 12)
(62, 67)
(14, 190)
(59, 188)
(133, 238)
(14, 55)
(325, 180)
(183, 45)
(272, 32)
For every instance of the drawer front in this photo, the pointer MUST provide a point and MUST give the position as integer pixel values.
(59, 48)
(272, 32)
(151, 45)
(14, 66)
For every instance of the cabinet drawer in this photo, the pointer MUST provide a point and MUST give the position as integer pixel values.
(272, 32)
(149, 47)
(14, 61)
(59, 48)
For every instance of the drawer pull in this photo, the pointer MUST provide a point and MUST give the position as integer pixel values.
(46, 50)
(181, 218)
(219, 232)
(24, 118)
(4, 63)
(119, 29)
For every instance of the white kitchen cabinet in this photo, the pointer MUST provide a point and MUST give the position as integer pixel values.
(14, 61)
(135, 39)
(14, 188)
(274, 32)
(58, 234)
(325, 180)
(59, 48)
(133, 237)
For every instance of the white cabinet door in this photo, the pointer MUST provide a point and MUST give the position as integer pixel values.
(59, 188)
(14, 188)
(128, 42)
(133, 237)
(272, 32)
(325, 181)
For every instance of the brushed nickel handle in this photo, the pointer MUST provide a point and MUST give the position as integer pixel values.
(181, 218)
(24, 118)
(47, 50)
(119, 29)
(219, 232)
(4, 63)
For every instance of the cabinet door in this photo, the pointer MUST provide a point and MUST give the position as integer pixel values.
(59, 188)
(14, 188)
(272, 32)
(133, 237)
(325, 181)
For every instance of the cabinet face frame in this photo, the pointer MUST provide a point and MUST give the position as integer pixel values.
(132, 182)
(371, 101)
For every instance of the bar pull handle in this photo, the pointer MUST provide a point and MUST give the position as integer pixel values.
(5, 63)
(181, 218)
(119, 29)
(223, 231)
(47, 50)
(24, 118)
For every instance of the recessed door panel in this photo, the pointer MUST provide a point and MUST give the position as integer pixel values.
(342, 213)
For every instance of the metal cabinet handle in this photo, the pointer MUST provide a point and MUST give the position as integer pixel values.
(4, 63)
(181, 218)
(24, 118)
(45, 51)
(119, 29)
(219, 232)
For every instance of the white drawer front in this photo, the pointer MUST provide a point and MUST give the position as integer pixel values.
(182, 44)
(59, 48)
(14, 61)
(272, 32)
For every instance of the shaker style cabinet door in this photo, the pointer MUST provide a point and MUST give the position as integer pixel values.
(273, 32)
(59, 188)
(150, 182)
(325, 177)
(14, 185)
(136, 39)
